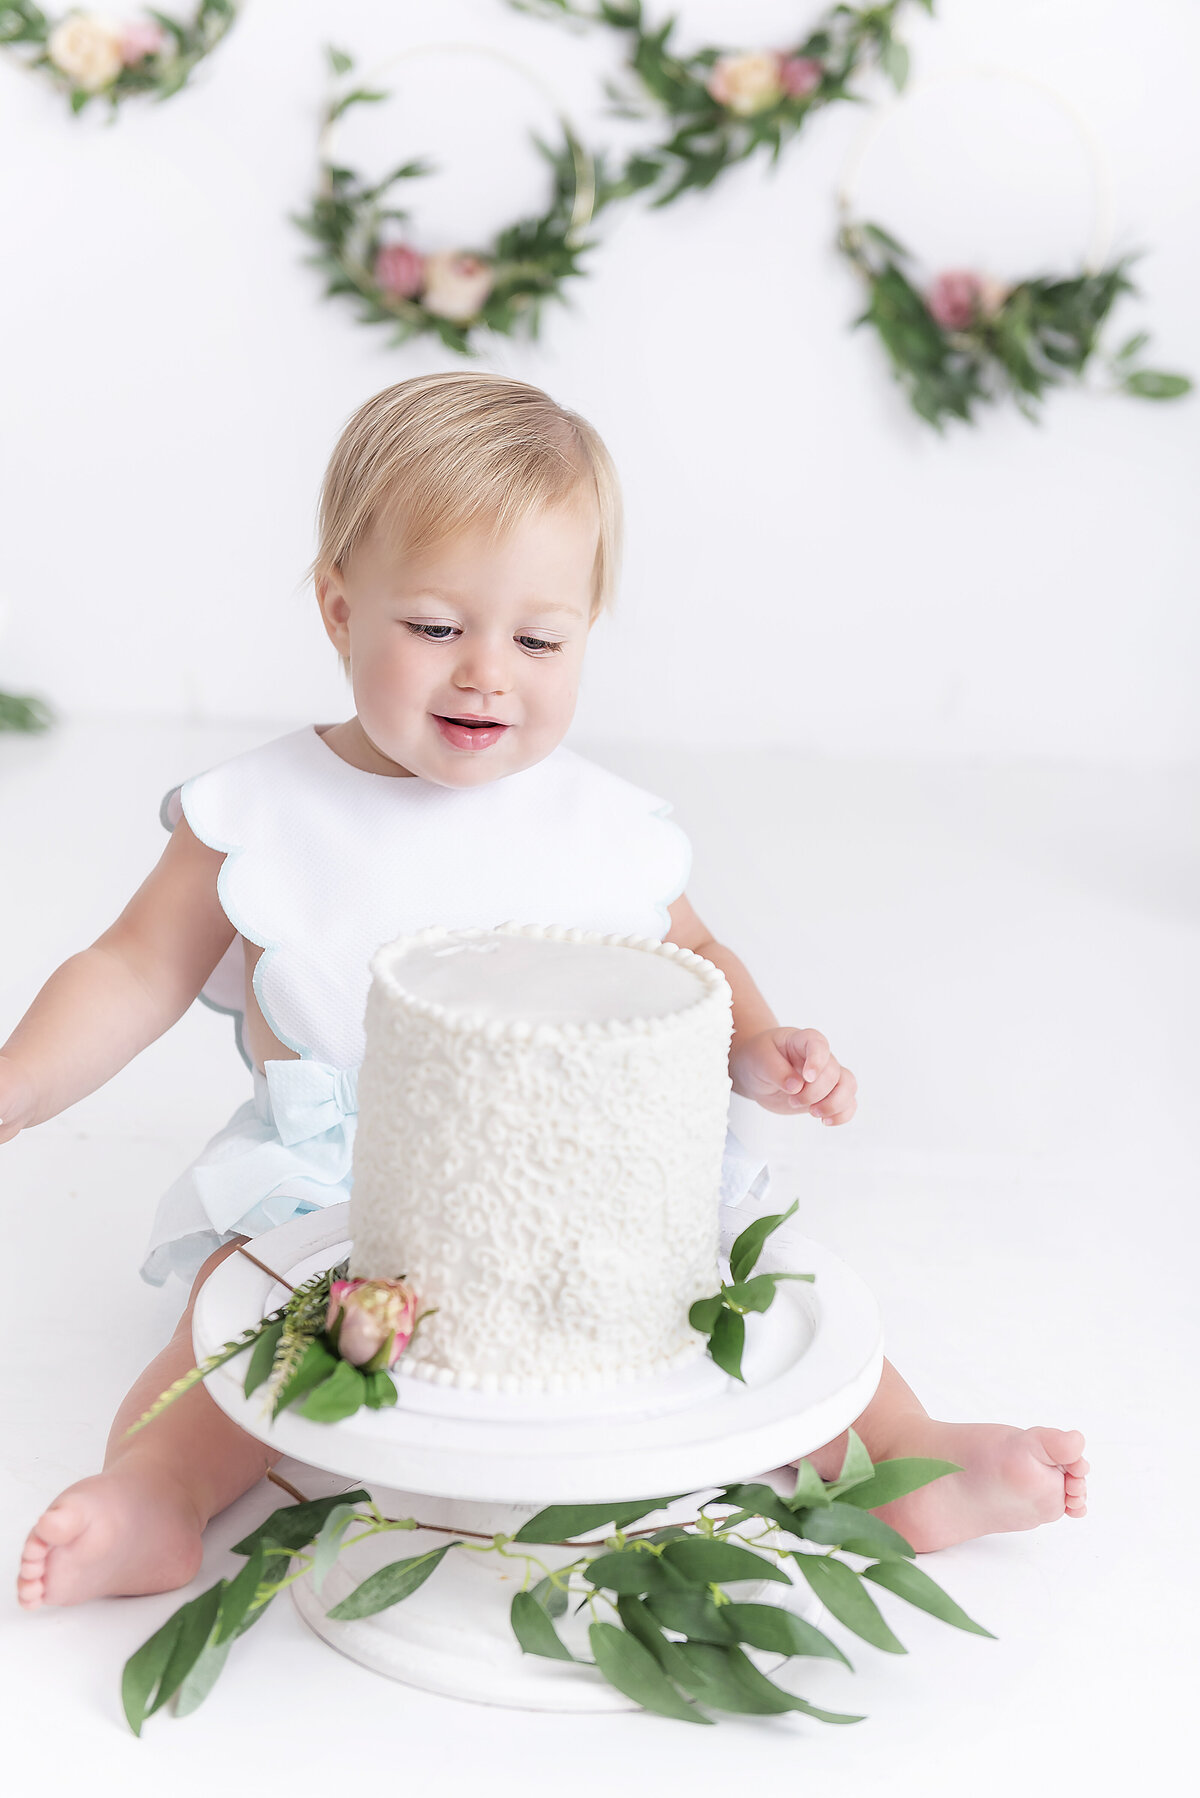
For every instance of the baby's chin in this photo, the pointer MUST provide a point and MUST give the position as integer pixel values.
(517, 750)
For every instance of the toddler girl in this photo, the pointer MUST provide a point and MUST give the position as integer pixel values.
(469, 539)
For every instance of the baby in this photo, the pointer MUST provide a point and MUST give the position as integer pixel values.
(469, 539)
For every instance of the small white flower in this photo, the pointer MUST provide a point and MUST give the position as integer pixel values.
(87, 49)
(456, 286)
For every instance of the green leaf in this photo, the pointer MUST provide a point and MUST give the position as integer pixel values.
(726, 1679)
(704, 1561)
(380, 1391)
(749, 1245)
(727, 1341)
(894, 1479)
(628, 1665)
(559, 1523)
(914, 1585)
(1132, 345)
(810, 1487)
(859, 1532)
(640, 1621)
(143, 1671)
(705, 1312)
(1149, 384)
(295, 1526)
(771, 1628)
(339, 62)
(884, 239)
(203, 1676)
(534, 1630)
(760, 1501)
(259, 1369)
(391, 1584)
(693, 1614)
(893, 59)
(857, 1466)
(552, 1598)
(316, 1364)
(629, 1571)
(328, 1544)
(239, 1595)
(341, 1395)
(158, 1668)
(840, 1591)
(751, 1295)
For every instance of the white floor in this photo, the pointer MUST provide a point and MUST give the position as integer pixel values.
(1007, 957)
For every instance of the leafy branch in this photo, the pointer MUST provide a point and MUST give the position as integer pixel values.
(992, 343)
(24, 712)
(354, 224)
(722, 1318)
(662, 1629)
(713, 127)
(165, 63)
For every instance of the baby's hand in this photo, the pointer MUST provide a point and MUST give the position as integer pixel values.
(16, 1100)
(791, 1071)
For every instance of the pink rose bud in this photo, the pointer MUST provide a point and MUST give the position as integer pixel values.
(800, 76)
(378, 1319)
(400, 271)
(140, 38)
(954, 299)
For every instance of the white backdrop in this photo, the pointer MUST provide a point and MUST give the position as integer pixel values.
(808, 564)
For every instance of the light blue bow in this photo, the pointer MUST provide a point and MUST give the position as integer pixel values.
(309, 1097)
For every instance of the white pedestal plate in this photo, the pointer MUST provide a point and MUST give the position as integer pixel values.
(484, 1463)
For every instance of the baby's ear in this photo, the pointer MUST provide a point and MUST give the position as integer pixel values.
(335, 608)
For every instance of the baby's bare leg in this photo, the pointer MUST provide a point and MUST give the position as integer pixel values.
(1011, 1479)
(136, 1527)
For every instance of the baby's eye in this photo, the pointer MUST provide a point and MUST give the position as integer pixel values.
(538, 645)
(436, 633)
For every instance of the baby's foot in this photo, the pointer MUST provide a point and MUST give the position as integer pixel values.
(129, 1530)
(1011, 1480)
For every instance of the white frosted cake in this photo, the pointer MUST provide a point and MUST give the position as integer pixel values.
(541, 1127)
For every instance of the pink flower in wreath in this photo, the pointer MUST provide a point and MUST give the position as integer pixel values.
(959, 297)
(456, 285)
(140, 38)
(400, 271)
(378, 1319)
(800, 76)
(749, 83)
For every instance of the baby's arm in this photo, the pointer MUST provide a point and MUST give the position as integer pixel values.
(106, 1004)
(783, 1069)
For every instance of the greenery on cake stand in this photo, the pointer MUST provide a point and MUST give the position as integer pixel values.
(662, 1627)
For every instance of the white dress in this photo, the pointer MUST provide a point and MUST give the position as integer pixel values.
(323, 863)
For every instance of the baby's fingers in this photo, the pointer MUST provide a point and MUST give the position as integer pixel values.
(840, 1105)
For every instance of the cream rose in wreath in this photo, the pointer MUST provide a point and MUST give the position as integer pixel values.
(90, 54)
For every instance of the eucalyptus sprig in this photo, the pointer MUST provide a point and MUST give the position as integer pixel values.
(452, 295)
(964, 340)
(723, 106)
(662, 1627)
(722, 1318)
(89, 57)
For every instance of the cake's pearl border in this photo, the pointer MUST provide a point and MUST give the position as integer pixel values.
(388, 961)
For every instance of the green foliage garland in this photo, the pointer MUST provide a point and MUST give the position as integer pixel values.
(87, 57)
(992, 342)
(725, 106)
(662, 1628)
(452, 295)
(722, 1318)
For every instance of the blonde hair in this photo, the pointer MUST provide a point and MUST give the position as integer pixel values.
(448, 452)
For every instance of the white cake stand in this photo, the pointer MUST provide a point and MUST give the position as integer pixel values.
(484, 1463)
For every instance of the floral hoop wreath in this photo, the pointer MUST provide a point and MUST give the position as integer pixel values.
(963, 338)
(452, 294)
(89, 57)
(724, 105)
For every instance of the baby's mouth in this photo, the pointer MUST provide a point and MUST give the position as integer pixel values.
(470, 733)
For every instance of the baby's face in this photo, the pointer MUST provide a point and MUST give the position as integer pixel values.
(476, 628)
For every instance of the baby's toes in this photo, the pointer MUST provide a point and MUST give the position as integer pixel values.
(31, 1577)
(1075, 1494)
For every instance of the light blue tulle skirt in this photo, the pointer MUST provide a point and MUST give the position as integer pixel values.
(289, 1150)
